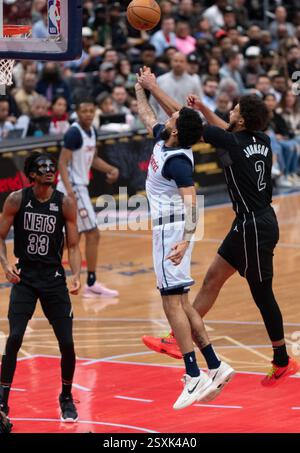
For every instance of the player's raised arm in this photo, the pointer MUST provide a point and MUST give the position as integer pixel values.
(70, 215)
(195, 103)
(148, 81)
(146, 113)
(10, 209)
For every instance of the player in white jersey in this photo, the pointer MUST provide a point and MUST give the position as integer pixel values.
(76, 159)
(173, 203)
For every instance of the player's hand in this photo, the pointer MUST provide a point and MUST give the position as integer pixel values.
(75, 285)
(178, 251)
(12, 274)
(112, 176)
(146, 78)
(194, 102)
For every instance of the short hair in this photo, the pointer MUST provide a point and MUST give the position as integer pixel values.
(84, 100)
(148, 46)
(30, 162)
(189, 126)
(210, 78)
(254, 112)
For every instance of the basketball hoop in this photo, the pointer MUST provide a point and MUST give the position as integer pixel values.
(7, 65)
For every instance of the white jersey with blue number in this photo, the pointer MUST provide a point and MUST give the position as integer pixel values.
(82, 158)
(163, 194)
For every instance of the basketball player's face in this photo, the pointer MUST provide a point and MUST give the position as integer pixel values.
(235, 118)
(86, 114)
(45, 171)
(170, 126)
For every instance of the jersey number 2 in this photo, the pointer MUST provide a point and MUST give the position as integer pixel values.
(260, 168)
(38, 245)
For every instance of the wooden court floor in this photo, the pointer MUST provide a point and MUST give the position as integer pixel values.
(111, 328)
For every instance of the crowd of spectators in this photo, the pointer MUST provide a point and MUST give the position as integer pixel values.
(218, 50)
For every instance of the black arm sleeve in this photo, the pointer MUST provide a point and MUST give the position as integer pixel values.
(180, 169)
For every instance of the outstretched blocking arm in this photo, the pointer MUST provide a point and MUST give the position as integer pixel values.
(10, 209)
(70, 215)
(212, 119)
(148, 81)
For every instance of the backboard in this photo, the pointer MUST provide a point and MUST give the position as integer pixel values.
(56, 29)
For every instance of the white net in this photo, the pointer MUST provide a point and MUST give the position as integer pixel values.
(7, 65)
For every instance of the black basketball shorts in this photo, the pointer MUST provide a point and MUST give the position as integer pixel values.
(53, 295)
(249, 246)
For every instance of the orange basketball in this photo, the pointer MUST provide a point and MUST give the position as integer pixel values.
(143, 14)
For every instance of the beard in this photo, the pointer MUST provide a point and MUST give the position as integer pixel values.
(232, 127)
(165, 134)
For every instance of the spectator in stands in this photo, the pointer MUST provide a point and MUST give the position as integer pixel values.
(231, 69)
(213, 69)
(241, 13)
(185, 13)
(210, 88)
(37, 123)
(252, 69)
(165, 37)
(215, 14)
(177, 83)
(120, 97)
(38, 9)
(110, 55)
(125, 76)
(279, 85)
(229, 18)
(203, 30)
(293, 59)
(224, 106)
(59, 116)
(137, 123)
(263, 85)
(193, 68)
(268, 60)
(5, 125)
(40, 28)
(281, 20)
(282, 143)
(51, 83)
(25, 95)
(105, 80)
(184, 42)
(148, 58)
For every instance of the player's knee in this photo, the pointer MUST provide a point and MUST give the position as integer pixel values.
(93, 236)
(67, 347)
(14, 343)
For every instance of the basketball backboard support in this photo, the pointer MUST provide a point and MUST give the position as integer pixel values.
(56, 33)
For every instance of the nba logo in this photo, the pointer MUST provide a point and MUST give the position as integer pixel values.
(54, 17)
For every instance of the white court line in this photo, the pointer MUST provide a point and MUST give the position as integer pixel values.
(295, 408)
(88, 422)
(133, 399)
(218, 406)
(147, 320)
(18, 390)
(107, 359)
(80, 387)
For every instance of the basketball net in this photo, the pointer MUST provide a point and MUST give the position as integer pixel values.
(7, 65)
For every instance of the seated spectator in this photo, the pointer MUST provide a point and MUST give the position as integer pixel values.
(107, 118)
(263, 85)
(37, 123)
(148, 58)
(279, 85)
(105, 80)
(184, 42)
(210, 88)
(125, 75)
(283, 145)
(281, 20)
(5, 125)
(252, 69)
(212, 69)
(137, 123)
(25, 95)
(52, 84)
(224, 106)
(165, 37)
(59, 116)
(231, 69)
(215, 14)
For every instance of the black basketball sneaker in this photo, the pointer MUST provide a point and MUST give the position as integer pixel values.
(68, 409)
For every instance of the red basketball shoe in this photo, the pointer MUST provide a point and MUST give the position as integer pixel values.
(165, 345)
(278, 374)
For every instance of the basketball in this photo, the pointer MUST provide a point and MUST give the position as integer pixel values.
(143, 14)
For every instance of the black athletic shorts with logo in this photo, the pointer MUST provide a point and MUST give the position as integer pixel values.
(249, 246)
(46, 283)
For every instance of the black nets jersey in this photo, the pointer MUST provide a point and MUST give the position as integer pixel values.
(38, 229)
(247, 160)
